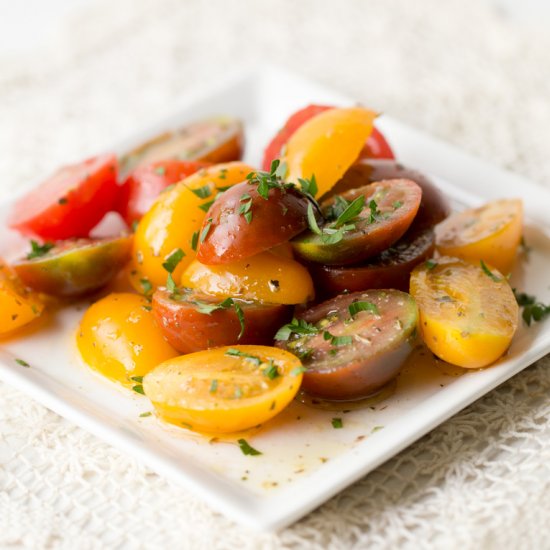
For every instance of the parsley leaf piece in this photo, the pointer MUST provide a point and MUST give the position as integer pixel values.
(309, 186)
(352, 211)
(271, 371)
(532, 310)
(202, 192)
(337, 423)
(138, 389)
(173, 260)
(341, 340)
(430, 264)
(206, 206)
(206, 230)
(240, 317)
(247, 449)
(146, 286)
(312, 221)
(397, 204)
(22, 363)
(374, 214)
(234, 352)
(39, 250)
(195, 240)
(297, 371)
(171, 284)
(145, 414)
(355, 307)
(488, 272)
(138, 379)
(298, 327)
(214, 386)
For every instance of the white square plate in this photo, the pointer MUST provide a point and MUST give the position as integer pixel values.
(305, 461)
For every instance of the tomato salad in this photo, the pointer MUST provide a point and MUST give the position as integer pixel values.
(237, 287)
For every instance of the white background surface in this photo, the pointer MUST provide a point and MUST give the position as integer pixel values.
(460, 70)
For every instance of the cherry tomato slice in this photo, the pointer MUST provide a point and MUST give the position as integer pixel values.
(491, 233)
(213, 140)
(376, 145)
(468, 313)
(242, 223)
(192, 321)
(389, 209)
(266, 277)
(144, 185)
(353, 344)
(224, 390)
(434, 207)
(75, 268)
(18, 307)
(119, 338)
(389, 269)
(70, 202)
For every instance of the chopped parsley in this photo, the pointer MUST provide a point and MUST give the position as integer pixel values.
(297, 371)
(488, 272)
(337, 423)
(309, 186)
(63, 200)
(205, 207)
(138, 389)
(171, 284)
(208, 308)
(271, 371)
(202, 192)
(195, 240)
(532, 310)
(146, 286)
(397, 204)
(374, 214)
(246, 449)
(145, 414)
(173, 260)
(355, 307)
(39, 250)
(234, 352)
(22, 363)
(269, 180)
(351, 212)
(430, 264)
(214, 386)
(160, 170)
(245, 207)
(206, 230)
(298, 327)
(337, 340)
(138, 379)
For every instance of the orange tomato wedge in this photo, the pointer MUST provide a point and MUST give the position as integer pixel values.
(226, 389)
(468, 312)
(327, 145)
(490, 233)
(18, 307)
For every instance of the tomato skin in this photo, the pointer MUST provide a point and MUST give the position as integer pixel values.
(183, 391)
(376, 145)
(367, 239)
(266, 277)
(274, 221)
(389, 269)
(145, 183)
(119, 338)
(381, 341)
(18, 307)
(75, 268)
(491, 233)
(215, 140)
(71, 202)
(434, 206)
(466, 318)
(173, 220)
(188, 330)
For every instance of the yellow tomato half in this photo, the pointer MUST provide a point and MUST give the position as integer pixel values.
(327, 145)
(490, 233)
(224, 390)
(468, 314)
(18, 307)
(174, 221)
(265, 277)
(119, 338)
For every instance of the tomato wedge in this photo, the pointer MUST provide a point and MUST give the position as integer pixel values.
(376, 145)
(389, 269)
(491, 233)
(18, 307)
(145, 183)
(70, 202)
(353, 344)
(192, 321)
(243, 222)
(468, 312)
(75, 268)
(214, 140)
(385, 210)
(224, 390)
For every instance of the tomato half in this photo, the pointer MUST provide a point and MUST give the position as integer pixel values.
(70, 202)
(214, 140)
(468, 312)
(243, 223)
(174, 222)
(389, 269)
(353, 344)
(192, 321)
(75, 268)
(376, 145)
(119, 338)
(18, 307)
(491, 233)
(387, 211)
(145, 183)
(226, 389)
(266, 277)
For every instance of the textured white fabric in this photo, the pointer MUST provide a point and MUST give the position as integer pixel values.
(458, 69)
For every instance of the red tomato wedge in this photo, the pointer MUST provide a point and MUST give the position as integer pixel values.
(376, 145)
(70, 202)
(145, 183)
